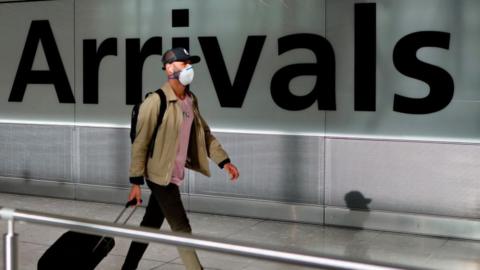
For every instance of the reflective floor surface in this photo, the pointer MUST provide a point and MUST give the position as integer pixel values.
(377, 246)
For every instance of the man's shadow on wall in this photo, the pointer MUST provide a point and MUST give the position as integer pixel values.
(359, 213)
(356, 201)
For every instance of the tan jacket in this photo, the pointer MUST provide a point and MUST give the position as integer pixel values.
(159, 167)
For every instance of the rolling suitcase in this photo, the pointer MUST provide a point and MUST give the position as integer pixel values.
(79, 251)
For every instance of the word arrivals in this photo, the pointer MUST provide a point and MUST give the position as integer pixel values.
(232, 95)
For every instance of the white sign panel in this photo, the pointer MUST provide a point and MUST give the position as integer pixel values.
(345, 68)
(30, 44)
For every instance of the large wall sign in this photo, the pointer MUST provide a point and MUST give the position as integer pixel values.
(339, 68)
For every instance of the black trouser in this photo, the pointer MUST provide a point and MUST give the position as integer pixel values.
(164, 202)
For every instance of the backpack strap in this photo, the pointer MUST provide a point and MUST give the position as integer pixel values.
(163, 108)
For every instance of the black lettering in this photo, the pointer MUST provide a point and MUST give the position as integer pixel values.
(365, 56)
(40, 31)
(91, 66)
(440, 82)
(231, 95)
(324, 71)
(183, 42)
(135, 60)
(180, 18)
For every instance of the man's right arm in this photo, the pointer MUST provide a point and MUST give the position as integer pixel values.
(147, 120)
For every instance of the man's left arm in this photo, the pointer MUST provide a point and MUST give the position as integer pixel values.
(215, 150)
(217, 153)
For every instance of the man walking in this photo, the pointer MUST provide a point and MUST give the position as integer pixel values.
(183, 140)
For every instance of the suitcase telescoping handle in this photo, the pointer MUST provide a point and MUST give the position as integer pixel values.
(132, 202)
(127, 205)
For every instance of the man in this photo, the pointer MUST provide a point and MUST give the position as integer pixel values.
(182, 140)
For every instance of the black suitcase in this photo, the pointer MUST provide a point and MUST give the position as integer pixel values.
(79, 251)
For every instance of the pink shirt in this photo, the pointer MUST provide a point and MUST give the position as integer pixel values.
(179, 166)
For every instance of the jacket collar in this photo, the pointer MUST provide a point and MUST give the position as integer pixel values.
(169, 93)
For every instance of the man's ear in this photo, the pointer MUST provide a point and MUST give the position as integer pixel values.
(169, 69)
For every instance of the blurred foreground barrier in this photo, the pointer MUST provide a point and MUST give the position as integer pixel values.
(154, 236)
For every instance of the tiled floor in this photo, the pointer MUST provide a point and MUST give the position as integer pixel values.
(410, 250)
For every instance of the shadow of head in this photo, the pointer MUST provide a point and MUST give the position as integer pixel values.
(356, 200)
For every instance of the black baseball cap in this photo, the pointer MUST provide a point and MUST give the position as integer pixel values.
(179, 54)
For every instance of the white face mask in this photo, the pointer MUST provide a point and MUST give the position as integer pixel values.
(185, 76)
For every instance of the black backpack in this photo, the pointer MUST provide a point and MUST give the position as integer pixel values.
(134, 119)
